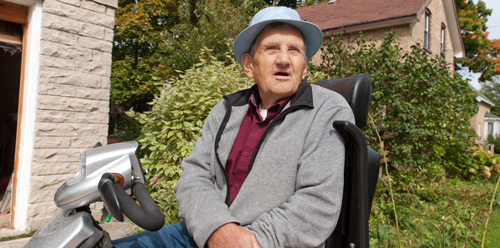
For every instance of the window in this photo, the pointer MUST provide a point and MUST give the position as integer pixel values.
(427, 26)
(443, 39)
(490, 128)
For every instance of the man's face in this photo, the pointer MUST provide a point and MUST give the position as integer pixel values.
(278, 65)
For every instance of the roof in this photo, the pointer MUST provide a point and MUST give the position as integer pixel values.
(491, 116)
(357, 15)
(348, 13)
(480, 97)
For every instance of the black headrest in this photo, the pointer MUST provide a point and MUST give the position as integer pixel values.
(357, 90)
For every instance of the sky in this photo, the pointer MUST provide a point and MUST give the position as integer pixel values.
(494, 29)
(493, 20)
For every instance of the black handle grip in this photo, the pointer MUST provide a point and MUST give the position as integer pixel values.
(108, 196)
(147, 215)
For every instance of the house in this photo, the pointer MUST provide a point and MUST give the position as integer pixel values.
(432, 23)
(484, 122)
(55, 62)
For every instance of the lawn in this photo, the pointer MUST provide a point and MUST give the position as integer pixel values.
(493, 233)
(442, 214)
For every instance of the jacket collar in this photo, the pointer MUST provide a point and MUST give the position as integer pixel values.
(303, 96)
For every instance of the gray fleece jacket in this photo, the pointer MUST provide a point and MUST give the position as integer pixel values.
(293, 192)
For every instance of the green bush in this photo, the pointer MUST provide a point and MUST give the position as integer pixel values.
(171, 128)
(485, 164)
(421, 109)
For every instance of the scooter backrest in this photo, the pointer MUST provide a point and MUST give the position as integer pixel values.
(357, 91)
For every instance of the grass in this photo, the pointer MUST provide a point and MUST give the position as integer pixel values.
(444, 213)
(493, 233)
(23, 235)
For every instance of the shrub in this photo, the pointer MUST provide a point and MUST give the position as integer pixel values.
(485, 164)
(421, 109)
(422, 112)
(171, 128)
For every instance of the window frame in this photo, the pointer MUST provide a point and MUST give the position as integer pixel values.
(490, 128)
(442, 47)
(427, 30)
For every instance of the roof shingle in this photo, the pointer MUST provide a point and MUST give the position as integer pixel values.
(345, 13)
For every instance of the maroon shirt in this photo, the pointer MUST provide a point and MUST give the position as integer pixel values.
(251, 130)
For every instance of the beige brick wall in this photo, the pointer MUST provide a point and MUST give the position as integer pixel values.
(73, 100)
(437, 18)
(375, 35)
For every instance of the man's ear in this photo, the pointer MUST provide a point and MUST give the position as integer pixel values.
(304, 72)
(247, 62)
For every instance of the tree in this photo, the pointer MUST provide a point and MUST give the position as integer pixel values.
(481, 53)
(141, 38)
(492, 91)
(156, 40)
(209, 23)
(140, 42)
(496, 47)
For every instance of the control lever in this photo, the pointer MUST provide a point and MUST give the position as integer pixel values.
(146, 214)
(108, 196)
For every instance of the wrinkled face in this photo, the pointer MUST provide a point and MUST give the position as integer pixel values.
(278, 65)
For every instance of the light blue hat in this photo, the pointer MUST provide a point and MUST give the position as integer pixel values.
(312, 34)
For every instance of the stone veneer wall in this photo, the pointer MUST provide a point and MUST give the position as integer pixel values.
(73, 94)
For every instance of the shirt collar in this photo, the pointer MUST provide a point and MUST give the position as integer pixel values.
(272, 112)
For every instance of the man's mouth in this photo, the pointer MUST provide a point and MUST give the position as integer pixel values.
(281, 74)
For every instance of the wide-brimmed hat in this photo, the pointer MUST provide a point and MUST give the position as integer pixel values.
(312, 33)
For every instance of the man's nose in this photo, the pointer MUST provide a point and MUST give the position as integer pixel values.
(283, 58)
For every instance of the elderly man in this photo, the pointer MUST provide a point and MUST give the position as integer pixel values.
(268, 169)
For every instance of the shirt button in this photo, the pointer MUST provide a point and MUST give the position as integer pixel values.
(247, 154)
(237, 186)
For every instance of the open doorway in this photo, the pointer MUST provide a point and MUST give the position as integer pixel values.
(10, 71)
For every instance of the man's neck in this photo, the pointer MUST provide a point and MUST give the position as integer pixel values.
(266, 103)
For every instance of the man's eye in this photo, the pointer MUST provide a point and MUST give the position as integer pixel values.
(271, 48)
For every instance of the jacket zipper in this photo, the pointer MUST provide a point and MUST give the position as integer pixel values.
(216, 146)
(276, 119)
